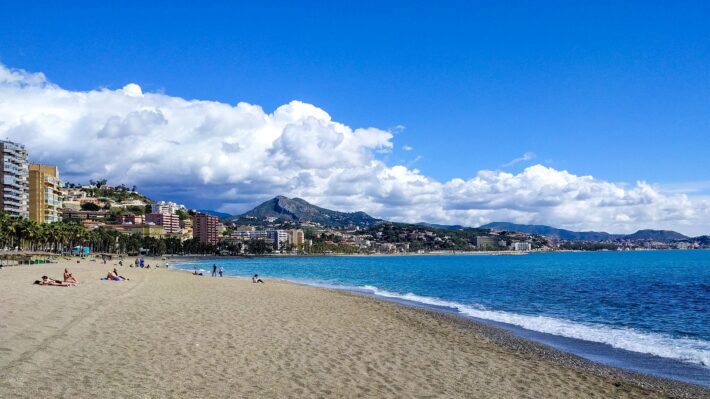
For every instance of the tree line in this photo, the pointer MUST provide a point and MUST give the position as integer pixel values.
(61, 237)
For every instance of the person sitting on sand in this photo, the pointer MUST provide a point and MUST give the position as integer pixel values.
(256, 279)
(113, 277)
(50, 281)
(116, 273)
(69, 278)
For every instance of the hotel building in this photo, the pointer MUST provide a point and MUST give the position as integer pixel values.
(14, 187)
(45, 194)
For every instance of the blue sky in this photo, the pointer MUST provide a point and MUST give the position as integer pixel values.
(621, 91)
(617, 91)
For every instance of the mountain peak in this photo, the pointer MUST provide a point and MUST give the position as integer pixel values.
(300, 210)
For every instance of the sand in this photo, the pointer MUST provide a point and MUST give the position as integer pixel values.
(167, 334)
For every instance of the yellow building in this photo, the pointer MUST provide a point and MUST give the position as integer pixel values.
(45, 194)
(186, 229)
(296, 237)
(146, 230)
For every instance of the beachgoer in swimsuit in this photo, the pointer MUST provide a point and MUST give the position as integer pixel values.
(50, 281)
(113, 277)
(69, 278)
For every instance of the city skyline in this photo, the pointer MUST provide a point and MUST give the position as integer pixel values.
(605, 142)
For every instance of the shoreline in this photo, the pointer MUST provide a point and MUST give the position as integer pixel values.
(550, 341)
(406, 254)
(527, 347)
(163, 328)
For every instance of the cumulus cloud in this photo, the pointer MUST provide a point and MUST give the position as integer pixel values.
(234, 156)
(528, 156)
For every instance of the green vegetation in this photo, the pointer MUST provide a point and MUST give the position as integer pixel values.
(121, 193)
(88, 206)
(425, 238)
(60, 238)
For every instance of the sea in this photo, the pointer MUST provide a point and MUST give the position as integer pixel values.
(646, 311)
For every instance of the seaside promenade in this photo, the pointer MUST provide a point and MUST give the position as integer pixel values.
(171, 334)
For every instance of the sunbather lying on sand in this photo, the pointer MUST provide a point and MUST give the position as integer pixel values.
(69, 278)
(50, 281)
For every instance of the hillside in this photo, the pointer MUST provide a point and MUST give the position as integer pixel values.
(656, 235)
(652, 235)
(550, 231)
(220, 215)
(441, 226)
(299, 210)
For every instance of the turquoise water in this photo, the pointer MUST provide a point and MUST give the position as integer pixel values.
(647, 311)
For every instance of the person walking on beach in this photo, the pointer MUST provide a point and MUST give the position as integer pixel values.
(221, 271)
(214, 270)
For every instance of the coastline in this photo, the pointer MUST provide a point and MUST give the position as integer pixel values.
(643, 366)
(405, 254)
(177, 318)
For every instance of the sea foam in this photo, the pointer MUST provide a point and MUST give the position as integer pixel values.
(688, 350)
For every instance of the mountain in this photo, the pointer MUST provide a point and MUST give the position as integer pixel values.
(299, 210)
(550, 231)
(653, 235)
(220, 215)
(441, 226)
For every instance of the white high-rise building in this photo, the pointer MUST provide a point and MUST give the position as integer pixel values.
(166, 207)
(15, 196)
(522, 246)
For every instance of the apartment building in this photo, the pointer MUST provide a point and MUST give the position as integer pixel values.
(14, 185)
(165, 207)
(132, 219)
(185, 229)
(275, 237)
(522, 246)
(45, 200)
(295, 237)
(146, 230)
(204, 228)
(169, 221)
(484, 242)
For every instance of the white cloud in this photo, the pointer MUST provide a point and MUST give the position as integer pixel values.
(232, 157)
(528, 156)
(407, 148)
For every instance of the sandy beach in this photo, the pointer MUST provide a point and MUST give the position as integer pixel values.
(171, 334)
